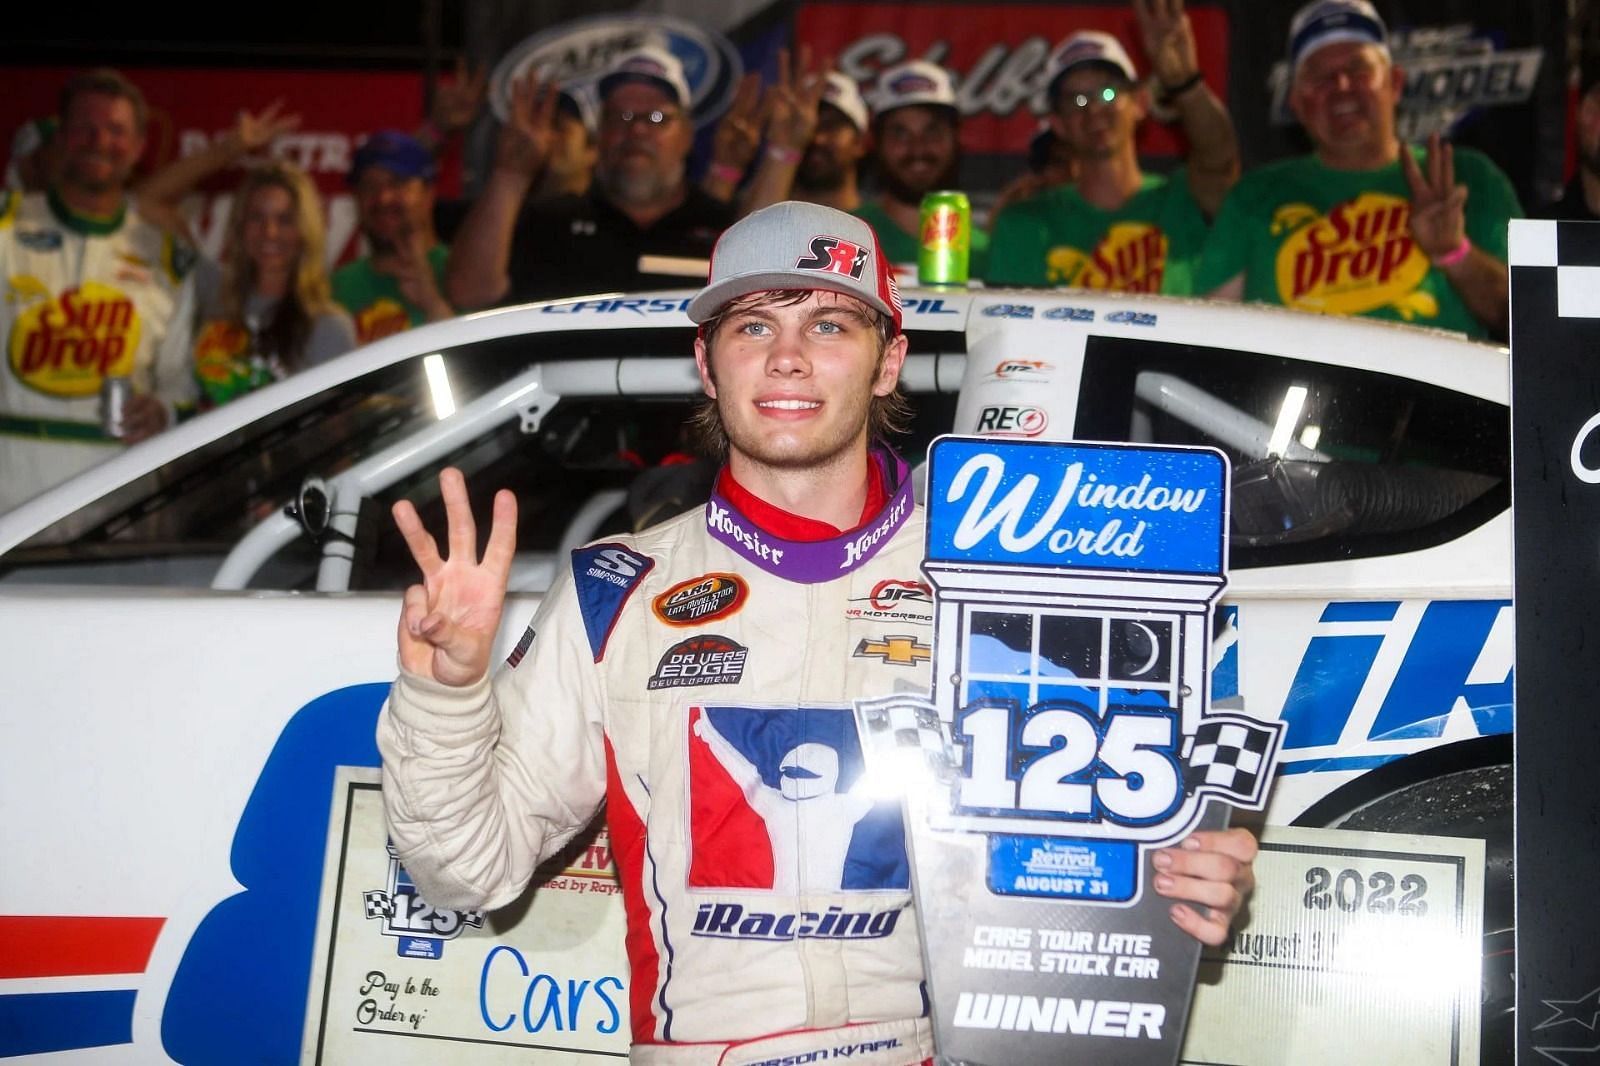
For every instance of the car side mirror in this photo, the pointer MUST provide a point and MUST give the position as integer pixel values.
(312, 506)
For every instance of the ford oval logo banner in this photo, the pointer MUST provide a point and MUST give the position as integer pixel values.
(1146, 509)
(580, 51)
(1069, 735)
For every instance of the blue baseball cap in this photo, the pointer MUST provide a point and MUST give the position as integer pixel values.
(399, 153)
(1325, 22)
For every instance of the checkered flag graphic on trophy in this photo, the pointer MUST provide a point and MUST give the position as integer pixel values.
(1227, 757)
(378, 904)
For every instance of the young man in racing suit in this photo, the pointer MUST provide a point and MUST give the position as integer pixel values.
(698, 679)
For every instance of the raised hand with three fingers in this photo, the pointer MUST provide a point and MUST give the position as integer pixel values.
(448, 623)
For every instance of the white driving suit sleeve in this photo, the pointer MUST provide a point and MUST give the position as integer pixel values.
(481, 784)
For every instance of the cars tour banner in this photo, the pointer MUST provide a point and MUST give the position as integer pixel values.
(1555, 466)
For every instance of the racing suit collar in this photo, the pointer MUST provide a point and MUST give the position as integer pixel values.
(765, 535)
(792, 526)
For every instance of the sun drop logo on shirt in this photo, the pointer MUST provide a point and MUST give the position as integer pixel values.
(64, 345)
(381, 318)
(1358, 258)
(1131, 257)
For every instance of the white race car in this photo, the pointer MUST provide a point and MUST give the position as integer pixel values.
(199, 632)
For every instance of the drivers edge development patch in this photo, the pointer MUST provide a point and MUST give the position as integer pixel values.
(703, 659)
(701, 599)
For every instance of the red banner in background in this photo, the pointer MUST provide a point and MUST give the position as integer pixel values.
(189, 108)
(997, 53)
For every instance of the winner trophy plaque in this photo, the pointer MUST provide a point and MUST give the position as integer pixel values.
(1068, 736)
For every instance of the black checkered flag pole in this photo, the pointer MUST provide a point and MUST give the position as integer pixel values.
(1231, 756)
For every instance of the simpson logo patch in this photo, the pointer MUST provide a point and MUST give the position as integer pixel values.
(605, 575)
(705, 659)
(897, 650)
(701, 599)
(835, 256)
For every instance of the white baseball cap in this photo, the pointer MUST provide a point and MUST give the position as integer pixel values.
(1083, 47)
(650, 64)
(1325, 22)
(796, 245)
(841, 91)
(916, 82)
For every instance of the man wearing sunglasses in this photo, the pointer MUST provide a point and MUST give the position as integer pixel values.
(1118, 227)
(639, 207)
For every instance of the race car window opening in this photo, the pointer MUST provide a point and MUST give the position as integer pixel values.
(1328, 462)
(199, 505)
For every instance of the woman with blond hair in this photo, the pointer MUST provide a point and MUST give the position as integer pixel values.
(272, 312)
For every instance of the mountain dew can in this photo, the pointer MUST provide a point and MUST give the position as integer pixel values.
(946, 244)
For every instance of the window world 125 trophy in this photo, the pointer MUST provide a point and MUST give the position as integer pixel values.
(1069, 735)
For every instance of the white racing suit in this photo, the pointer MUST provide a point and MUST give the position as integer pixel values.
(79, 305)
(698, 679)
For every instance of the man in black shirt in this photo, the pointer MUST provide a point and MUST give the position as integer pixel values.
(642, 225)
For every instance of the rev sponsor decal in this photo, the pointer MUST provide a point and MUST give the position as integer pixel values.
(64, 345)
(704, 659)
(895, 600)
(896, 650)
(834, 255)
(701, 599)
(1357, 258)
(1005, 421)
(1131, 257)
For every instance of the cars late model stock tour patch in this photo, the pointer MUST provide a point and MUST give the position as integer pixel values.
(1068, 736)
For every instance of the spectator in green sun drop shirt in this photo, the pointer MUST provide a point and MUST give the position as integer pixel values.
(1115, 226)
(399, 284)
(916, 150)
(1364, 225)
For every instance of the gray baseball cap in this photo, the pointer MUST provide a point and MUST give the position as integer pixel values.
(795, 245)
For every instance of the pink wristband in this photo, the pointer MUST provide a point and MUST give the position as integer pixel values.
(1454, 255)
(726, 172)
(781, 154)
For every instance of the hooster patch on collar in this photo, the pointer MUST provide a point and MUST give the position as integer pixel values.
(605, 576)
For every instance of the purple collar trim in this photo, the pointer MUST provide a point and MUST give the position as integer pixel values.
(811, 562)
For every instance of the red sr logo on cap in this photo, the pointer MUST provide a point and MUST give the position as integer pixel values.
(836, 256)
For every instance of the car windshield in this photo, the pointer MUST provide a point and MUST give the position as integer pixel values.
(593, 464)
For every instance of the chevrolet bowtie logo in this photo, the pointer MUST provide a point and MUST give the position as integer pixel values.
(898, 651)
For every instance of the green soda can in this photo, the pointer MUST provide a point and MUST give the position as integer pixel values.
(946, 244)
